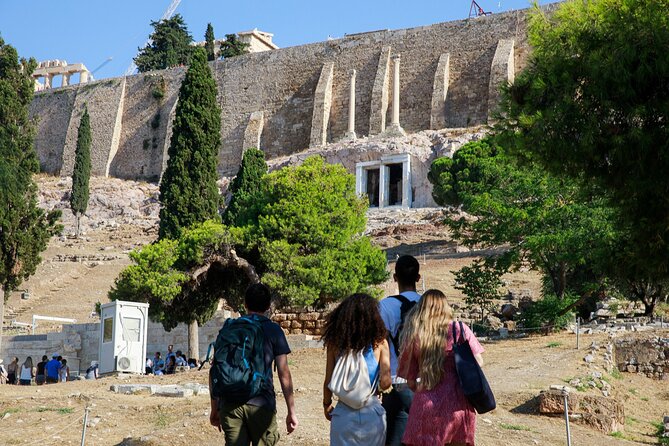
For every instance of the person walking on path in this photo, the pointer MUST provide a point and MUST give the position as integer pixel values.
(398, 402)
(440, 413)
(27, 372)
(356, 326)
(254, 422)
(40, 377)
(13, 371)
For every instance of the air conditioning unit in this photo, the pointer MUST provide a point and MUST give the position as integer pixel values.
(125, 364)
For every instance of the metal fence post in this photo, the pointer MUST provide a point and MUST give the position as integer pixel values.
(83, 433)
(565, 394)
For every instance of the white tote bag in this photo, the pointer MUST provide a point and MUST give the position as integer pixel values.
(350, 380)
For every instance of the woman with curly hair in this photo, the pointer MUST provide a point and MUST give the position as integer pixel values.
(440, 414)
(356, 326)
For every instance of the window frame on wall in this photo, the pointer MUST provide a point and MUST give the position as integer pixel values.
(383, 165)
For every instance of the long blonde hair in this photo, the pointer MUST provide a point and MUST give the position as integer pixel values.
(426, 328)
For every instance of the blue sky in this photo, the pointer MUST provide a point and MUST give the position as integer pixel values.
(91, 31)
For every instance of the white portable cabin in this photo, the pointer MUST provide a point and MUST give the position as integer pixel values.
(123, 328)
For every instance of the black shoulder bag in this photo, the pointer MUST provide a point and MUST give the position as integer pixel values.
(474, 384)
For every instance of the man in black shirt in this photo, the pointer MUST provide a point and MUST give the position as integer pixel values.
(254, 422)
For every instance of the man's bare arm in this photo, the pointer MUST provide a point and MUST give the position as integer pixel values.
(287, 387)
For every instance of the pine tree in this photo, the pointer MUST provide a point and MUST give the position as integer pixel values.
(246, 190)
(209, 43)
(232, 47)
(25, 229)
(188, 190)
(82, 170)
(170, 46)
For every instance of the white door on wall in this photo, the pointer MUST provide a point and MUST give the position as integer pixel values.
(107, 360)
(130, 342)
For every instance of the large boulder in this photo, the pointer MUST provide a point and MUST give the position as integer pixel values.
(605, 414)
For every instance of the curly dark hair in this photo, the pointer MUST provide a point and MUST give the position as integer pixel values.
(354, 325)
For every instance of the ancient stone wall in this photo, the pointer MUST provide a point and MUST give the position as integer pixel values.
(647, 355)
(300, 321)
(79, 343)
(149, 105)
(52, 112)
(282, 85)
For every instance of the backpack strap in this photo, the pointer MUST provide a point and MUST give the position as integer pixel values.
(396, 339)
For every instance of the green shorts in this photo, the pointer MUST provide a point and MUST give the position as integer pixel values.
(246, 424)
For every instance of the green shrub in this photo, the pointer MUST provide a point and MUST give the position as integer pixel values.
(545, 313)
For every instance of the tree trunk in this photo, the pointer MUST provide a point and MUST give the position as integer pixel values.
(2, 313)
(193, 341)
(78, 221)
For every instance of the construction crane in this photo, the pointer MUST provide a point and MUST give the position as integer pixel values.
(166, 15)
(476, 11)
(107, 60)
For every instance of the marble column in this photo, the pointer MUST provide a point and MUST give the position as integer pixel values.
(396, 91)
(66, 79)
(48, 81)
(350, 133)
(83, 77)
(395, 129)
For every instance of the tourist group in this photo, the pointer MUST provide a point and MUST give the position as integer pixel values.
(45, 372)
(390, 375)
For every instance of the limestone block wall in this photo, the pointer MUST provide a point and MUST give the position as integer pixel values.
(52, 112)
(647, 355)
(282, 84)
(149, 104)
(300, 321)
(104, 101)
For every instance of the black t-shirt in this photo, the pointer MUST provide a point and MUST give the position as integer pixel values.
(40, 368)
(275, 345)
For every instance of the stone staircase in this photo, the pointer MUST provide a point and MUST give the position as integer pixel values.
(33, 304)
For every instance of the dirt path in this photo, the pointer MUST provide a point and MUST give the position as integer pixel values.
(517, 369)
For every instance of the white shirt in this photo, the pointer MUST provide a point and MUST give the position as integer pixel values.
(391, 313)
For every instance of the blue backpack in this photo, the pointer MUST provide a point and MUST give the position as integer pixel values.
(238, 372)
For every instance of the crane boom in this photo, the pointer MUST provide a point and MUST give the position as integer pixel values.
(166, 15)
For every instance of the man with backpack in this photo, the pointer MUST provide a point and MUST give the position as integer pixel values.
(393, 311)
(243, 402)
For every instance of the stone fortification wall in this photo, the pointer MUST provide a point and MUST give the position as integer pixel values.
(149, 104)
(52, 112)
(447, 74)
(104, 100)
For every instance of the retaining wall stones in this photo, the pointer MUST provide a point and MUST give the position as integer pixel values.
(79, 343)
(282, 85)
(647, 355)
(301, 321)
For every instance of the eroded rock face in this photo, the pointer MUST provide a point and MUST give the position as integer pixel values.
(599, 412)
(423, 147)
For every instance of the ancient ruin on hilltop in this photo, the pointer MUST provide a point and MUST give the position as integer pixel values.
(284, 101)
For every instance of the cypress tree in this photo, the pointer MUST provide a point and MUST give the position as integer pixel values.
(82, 169)
(246, 190)
(209, 40)
(25, 229)
(188, 190)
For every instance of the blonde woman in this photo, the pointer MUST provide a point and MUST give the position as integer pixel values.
(440, 414)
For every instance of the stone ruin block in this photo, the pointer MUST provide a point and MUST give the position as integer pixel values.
(602, 413)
